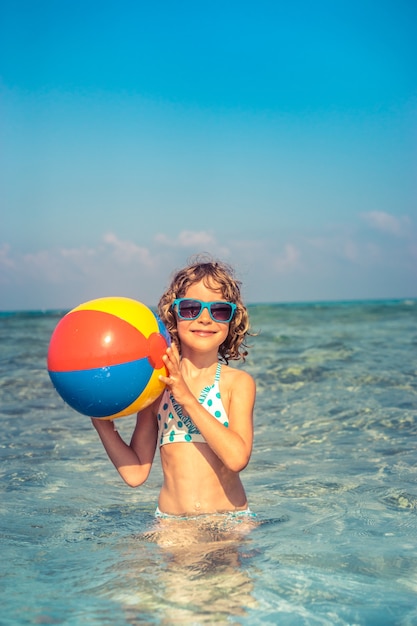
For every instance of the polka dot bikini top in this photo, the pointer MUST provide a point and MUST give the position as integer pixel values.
(176, 427)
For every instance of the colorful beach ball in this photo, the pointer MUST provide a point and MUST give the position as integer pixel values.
(105, 357)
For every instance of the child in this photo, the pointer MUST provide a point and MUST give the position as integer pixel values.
(203, 421)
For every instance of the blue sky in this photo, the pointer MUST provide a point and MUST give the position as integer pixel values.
(278, 136)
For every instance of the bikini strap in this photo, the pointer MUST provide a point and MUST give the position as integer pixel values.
(218, 370)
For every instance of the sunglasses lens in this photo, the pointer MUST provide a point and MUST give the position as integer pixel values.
(189, 309)
(222, 312)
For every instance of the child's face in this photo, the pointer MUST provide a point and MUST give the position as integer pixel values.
(202, 334)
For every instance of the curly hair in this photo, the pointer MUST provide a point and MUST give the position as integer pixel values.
(215, 275)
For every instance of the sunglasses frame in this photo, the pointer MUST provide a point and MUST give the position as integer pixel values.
(204, 305)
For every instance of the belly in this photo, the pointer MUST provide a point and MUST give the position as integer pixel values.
(196, 482)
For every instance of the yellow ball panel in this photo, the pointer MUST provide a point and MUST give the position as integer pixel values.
(132, 311)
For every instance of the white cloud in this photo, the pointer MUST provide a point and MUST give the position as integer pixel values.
(62, 265)
(6, 262)
(77, 254)
(44, 264)
(287, 261)
(127, 252)
(342, 245)
(387, 223)
(350, 250)
(331, 262)
(187, 239)
(191, 242)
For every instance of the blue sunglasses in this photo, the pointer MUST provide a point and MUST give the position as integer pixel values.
(190, 309)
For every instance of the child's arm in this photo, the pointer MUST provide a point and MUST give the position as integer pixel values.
(233, 445)
(134, 461)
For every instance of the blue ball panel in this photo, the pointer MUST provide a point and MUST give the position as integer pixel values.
(162, 329)
(103, 391)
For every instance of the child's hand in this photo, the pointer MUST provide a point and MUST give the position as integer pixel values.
(175, 380)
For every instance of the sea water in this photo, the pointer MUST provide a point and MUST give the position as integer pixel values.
(333, 480)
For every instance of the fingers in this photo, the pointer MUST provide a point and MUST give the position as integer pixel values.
(172, 352)
(172, 366)
(173, 348)
(171, 360)
(169, 381)
(165, 379)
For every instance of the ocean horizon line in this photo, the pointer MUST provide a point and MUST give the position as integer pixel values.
(412, 300)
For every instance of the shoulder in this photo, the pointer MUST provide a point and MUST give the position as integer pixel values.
(240, 396)
(236, 378)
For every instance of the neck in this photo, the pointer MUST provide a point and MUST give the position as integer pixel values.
(198, 364)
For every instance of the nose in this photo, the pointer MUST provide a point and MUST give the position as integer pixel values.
(205, 317)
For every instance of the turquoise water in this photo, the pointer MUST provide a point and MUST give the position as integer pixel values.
(333, 479)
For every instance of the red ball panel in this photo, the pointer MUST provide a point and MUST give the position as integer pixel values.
(88, 339)
(157, 348)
